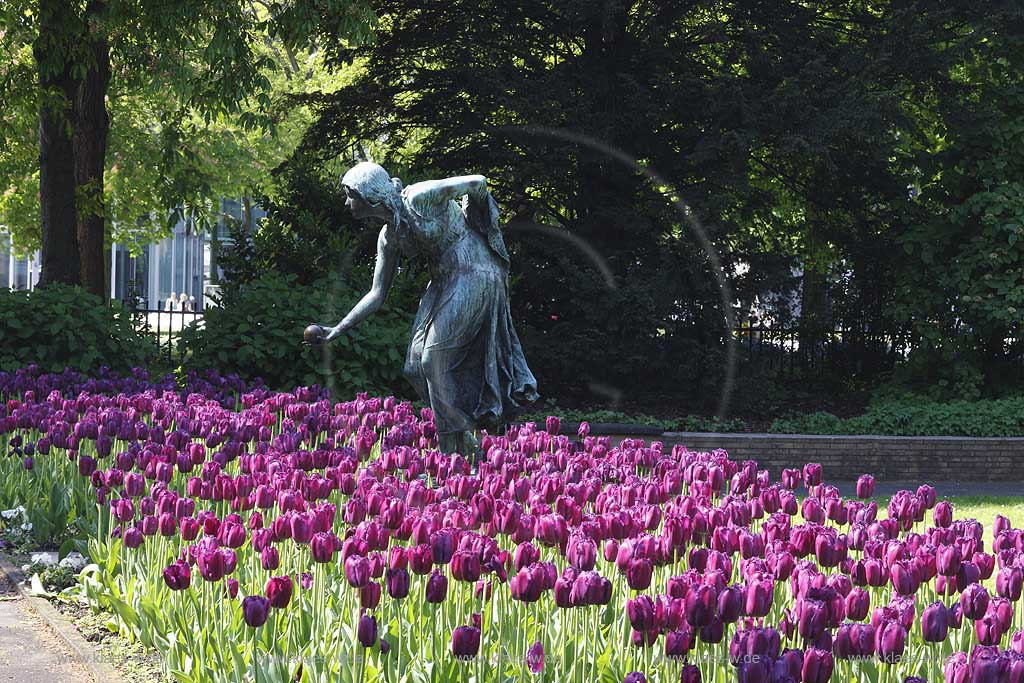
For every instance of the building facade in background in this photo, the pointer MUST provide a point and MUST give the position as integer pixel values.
(183, 262)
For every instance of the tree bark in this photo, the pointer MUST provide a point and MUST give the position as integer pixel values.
(60, 256)
(92, 125)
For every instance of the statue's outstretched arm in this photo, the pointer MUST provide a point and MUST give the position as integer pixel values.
(383, 275)
(439, 192)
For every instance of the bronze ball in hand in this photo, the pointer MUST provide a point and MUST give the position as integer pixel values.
(313, 335)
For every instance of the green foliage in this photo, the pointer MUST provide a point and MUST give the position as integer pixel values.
(917, 417)
(59, 326)
(257, 332)
(689, 423)
(960, 285)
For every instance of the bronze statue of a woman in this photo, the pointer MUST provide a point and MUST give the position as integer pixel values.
(464, 357)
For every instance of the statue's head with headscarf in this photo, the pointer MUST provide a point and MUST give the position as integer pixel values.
(372, 192)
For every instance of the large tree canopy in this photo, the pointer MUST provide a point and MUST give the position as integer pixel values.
(791, 131)
(178, 93)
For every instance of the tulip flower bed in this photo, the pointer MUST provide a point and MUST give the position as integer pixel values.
(286, 538)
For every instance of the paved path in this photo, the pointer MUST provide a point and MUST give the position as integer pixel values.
(29, 651)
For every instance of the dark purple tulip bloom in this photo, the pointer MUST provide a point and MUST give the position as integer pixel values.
(817, 666)
(678, 643)
(178, 576)
(935, 623)
(713, 632)
(465, 642)
(890, 641)
(730, 604)
(639, 573)
(366, 631)
(1009, 582)
(255, 610)
(397, 582)
(437, 587)
(279, 591)
(357, 571)
(535, 658)
(442, 545)
(948, 560)
(865, 486)
(641, 613)
(989, 630)
(758, 598)
(634, 677)
(956, 668)
(369, 595)
(943, 514)
(974, 601)
(132, 537)
(690, 674)
(701, 603)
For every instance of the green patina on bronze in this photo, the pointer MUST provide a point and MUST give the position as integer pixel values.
(464, 357)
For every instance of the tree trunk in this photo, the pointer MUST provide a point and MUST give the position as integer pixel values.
(92, 125)
(60, 257)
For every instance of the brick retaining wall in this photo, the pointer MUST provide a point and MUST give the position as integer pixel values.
(844, 458)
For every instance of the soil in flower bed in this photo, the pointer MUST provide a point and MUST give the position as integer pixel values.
(134, 662)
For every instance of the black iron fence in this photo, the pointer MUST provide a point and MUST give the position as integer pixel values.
(793, 351)
(165, 326)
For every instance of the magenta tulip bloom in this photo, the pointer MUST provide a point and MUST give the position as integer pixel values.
(255, 610)
(322, 547)
(865, 486)
(279, 591)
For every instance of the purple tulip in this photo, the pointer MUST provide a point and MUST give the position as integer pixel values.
(178, 576)
(935, 623)
(465, 642)
(369, 595)
(634, 677)
(865, 486)
(279, 591)
(890, 641)
(817, 666)
(366, 631)
(437, 587)
(321, 547)
(357, 571)
(535, 658)
(641, 613)
(1009, 582)
(397, 582)
(974, 601)
(255, 610)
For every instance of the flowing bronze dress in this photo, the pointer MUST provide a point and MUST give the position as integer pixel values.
(464, 357)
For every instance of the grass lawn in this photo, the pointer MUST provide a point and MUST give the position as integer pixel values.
(985, 508)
